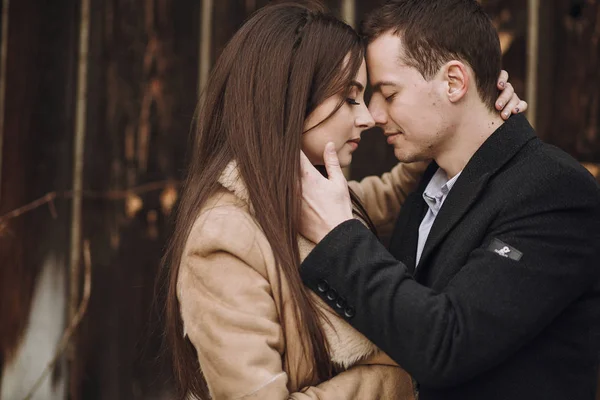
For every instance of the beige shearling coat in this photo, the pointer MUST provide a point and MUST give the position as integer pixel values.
(231, 302)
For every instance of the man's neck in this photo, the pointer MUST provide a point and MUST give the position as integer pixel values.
(470, 133)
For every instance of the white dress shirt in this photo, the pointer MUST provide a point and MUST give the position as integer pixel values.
(434, 195)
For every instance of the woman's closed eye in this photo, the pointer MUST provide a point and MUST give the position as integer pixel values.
(352, 102)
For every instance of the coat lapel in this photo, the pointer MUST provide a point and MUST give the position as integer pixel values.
(495, 152)
(406, 232)
(459, 201)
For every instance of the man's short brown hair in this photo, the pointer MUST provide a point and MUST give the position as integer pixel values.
(437, 31)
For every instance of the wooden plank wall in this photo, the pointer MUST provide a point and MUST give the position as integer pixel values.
(142, 87)
(38, 126)
(575, 85)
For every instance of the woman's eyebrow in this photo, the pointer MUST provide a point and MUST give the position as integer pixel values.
(358, 85)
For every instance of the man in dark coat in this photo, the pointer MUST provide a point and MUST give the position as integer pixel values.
(490, 288)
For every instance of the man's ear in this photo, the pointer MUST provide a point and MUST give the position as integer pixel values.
(457, 77)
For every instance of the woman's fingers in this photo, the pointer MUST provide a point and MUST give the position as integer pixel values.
(505, 97)
(502, 79)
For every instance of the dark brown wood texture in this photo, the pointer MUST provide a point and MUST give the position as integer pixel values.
(38, 129)
(142, 85)
(574, 86)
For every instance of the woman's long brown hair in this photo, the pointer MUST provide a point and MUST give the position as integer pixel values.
(283, 62)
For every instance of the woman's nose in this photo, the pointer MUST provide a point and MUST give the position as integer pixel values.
(365, 119)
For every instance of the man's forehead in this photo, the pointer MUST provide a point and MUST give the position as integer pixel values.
(385, 51)
(385, 42)
(390, 74)
(385, 71)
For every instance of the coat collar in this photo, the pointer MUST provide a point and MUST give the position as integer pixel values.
(346, 345)
(231, 180)
(493, 154)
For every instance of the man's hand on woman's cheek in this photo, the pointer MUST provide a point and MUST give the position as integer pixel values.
(325, 201)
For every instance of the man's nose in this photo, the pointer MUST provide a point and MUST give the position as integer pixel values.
(377, 111)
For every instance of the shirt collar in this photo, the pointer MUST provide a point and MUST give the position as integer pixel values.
(438, 188)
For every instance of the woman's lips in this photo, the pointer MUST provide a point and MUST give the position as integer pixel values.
(353, 143)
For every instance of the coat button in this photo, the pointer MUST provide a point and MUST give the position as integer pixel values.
(322, 286)
(349, 312)
(340, 303)
(332, 294)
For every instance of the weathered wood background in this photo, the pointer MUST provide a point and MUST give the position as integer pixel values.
(142, 89)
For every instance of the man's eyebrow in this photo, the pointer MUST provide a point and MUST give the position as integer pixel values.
(358, 85)
(378, 85)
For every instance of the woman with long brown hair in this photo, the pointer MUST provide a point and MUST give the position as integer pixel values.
(240, 323)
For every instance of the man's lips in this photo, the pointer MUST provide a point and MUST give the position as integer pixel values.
(392, 133)
(391, 136)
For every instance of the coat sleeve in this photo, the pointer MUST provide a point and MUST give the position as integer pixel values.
(492, 307)
(229, 315)
(383, 196)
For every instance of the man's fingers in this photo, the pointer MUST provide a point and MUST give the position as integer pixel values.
(332, 163)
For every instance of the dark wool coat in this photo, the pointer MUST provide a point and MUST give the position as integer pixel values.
(505, 302)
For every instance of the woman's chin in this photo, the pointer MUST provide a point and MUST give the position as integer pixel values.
(345, 159)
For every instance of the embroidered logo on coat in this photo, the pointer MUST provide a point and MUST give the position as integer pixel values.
(504, 250)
